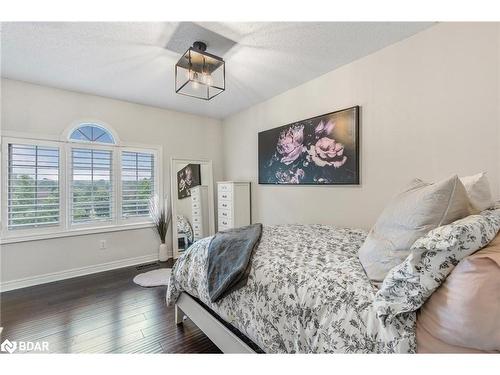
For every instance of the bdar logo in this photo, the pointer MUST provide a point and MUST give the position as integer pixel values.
(8, 346)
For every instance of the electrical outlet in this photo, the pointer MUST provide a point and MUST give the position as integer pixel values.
(102, 244)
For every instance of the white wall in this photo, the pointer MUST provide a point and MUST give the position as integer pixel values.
(45, 111)
(429, 109)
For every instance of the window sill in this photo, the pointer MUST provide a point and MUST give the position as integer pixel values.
(74, 232)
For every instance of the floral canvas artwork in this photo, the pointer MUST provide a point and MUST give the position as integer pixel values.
(320, 150)
(187, 177)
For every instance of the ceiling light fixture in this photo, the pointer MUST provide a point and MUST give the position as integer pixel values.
(200, 74)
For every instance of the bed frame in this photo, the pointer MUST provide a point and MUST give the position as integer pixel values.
(217, 332)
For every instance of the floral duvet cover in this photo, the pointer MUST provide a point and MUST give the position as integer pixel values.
(306, 293)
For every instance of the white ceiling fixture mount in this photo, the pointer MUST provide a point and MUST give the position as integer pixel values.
(200, 74)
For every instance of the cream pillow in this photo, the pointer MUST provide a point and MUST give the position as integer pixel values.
(410, 215)
(478, 190)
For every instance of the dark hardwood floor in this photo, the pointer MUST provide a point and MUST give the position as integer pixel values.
(99, 313)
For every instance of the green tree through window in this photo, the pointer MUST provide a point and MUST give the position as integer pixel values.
(33, 186)
(137, 183)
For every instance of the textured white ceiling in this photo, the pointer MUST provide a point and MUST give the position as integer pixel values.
(130, 61)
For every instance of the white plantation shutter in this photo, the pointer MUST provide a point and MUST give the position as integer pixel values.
(54, 188)
(33, 186)
(137, 175)
(91, 185)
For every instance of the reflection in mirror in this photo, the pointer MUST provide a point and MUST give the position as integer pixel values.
(192, 193)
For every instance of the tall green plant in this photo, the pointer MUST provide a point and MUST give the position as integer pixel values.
(161, 218)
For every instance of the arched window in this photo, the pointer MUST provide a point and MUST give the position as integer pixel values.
(86, 179)
(91, 191)
(93, 194)
(92, 133)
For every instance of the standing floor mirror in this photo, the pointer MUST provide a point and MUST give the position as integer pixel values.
(192, 200)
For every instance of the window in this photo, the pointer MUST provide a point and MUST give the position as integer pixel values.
(33, 186)
(91, 185)
(91, 133)
(87, 183)
(137, 183)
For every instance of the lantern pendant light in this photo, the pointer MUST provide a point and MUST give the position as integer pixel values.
(200, 74)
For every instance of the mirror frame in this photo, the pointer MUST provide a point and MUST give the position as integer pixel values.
(173, 194)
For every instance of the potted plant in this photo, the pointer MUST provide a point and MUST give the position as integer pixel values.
(161, 219)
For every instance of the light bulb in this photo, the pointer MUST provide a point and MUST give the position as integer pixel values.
(207, 78)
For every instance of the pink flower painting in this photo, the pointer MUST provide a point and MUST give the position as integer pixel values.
(290, 144)
(320, 150)
(324, 128)
(327, 152)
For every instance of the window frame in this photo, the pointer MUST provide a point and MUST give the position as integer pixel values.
(95, 125)
(156, 174)
(5, 188)
(69, 183)
(65, 227)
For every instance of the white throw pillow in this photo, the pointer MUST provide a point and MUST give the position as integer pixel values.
(478, 190)
(410, 215)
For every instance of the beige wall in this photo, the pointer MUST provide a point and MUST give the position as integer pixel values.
(45, 111)
(429, 108)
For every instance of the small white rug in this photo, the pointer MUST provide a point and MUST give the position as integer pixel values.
(157, 277)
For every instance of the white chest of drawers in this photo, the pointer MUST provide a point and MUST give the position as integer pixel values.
(233, 204)
(199, 211)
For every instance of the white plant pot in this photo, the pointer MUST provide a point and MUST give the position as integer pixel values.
(163, 252)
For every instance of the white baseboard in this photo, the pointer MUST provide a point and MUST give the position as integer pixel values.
(75, 272)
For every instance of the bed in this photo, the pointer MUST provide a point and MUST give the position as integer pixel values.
(323, 289)
(306, 293)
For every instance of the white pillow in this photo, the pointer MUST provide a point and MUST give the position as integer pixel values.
(410, 215)
(478, 190)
